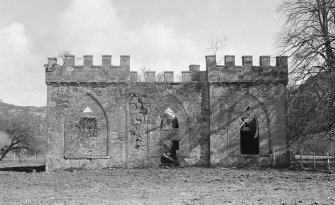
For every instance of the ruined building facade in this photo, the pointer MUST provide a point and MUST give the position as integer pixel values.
(101, 116)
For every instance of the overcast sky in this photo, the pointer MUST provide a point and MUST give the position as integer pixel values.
(160, 35)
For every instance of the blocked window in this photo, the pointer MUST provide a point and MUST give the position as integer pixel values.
(86, 130)
(88, 127)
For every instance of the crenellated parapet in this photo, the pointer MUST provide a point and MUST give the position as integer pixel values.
(70, 72)
(192, 75)
(247, 72)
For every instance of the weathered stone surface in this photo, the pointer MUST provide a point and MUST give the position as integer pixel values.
(85, 130)
(100, 116)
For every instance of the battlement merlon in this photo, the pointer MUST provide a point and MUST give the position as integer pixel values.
(70, 72)
(247, 72)
(229, 72)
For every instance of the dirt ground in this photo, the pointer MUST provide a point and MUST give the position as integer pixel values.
(168, 186)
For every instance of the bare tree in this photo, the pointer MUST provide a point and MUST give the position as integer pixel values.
(66, 53)
(160, 76)
(308, 36)
(63, 54)
(308, 39)
(216, 45)
(142, 76)
(21, 131)
(178, 77)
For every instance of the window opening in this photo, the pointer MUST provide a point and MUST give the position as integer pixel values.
(169, 120)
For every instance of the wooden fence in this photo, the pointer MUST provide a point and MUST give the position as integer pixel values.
(313, 161)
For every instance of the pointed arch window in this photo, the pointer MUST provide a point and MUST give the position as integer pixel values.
(169, 120)
(86, 130)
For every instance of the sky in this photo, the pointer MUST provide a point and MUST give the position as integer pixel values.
(158, 35)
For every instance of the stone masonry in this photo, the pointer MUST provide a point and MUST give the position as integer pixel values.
(101, 116)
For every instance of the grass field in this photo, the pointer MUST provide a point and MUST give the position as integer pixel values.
(167, 186)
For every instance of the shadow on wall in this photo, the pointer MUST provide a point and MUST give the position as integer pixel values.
(241, 128)
(167, 122)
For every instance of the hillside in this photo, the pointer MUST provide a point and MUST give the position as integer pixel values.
(11, 109)
(35, 114)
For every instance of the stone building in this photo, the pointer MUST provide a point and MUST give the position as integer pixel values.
(101, 116)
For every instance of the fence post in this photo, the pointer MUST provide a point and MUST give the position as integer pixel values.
(274, 158)
(301, 165)
(328, 166)
(14, 157)
(314, 162)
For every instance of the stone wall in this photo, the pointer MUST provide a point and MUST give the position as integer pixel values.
(101, 116)
(233, 89)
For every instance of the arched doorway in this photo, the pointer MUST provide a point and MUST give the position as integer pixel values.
(248, 128)
(167, 130)
(169, 133)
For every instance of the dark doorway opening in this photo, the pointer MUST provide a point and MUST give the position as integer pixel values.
(174, 148)
(175, 123)
(170, 157)
(169, 133)
(249, 135)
